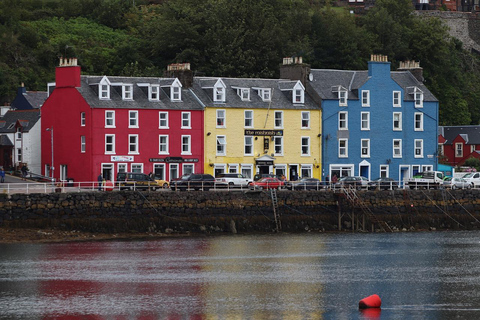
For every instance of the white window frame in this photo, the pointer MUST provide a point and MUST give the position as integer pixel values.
(83, 119)
(244, 94)
(298, 95)
(305, 143)
(398, 148)
(458, 150)
(343, 148)
(365, 123)
(121, 167)
(384, 168)
(305, 121)
(160, 144)
(343, 120)
(160, 120)
(186, 147)
(107, 118)
(162, 168)
(399, 126)
(188, 165)
(186, 120)
(365, 148)
(221, 141)
(221, 118)
(127, 92)
(135, 166)
(280, 120)
(418, 97)
(154, 93)
(342, 98)
(112, 143)
(104, 89)
(266, 94)
(232, 168)
(248, 142)
(472, 148)
(418, 123)
(135, 118)
(365, 98)
(247, 170)
(83, 144)
(248, 119)
(175, 93)
(397, 99)
(218, 93)
(135, 144)
(418, 148)
(173, 167)
(278, 146)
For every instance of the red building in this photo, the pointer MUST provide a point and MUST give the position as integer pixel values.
(103, 124)
(458, 143)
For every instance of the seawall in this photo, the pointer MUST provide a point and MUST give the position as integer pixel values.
(237, 211)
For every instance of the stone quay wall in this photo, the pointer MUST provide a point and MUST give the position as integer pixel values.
(237, 211)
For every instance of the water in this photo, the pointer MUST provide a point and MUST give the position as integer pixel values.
(311, 276)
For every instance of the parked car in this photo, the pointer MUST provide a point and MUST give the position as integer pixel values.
(136, 180)
(162, 182)
(473, 178)
(259, 176)
(267, 183)
(196, 181)
(456, 183)
(357, 182)
(383, 184)
(306, 184)
(232, 180)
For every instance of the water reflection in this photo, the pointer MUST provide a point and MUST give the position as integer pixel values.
(323, 276)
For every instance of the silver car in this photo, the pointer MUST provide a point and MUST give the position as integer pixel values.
(456, 183)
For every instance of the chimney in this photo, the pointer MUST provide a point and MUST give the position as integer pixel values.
(293, 68)
(182, 72)
(413, 67)
(67, 74)
(378, 66)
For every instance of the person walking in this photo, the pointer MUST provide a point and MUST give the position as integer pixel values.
(2, 175)
(24, 172)
(100, 181)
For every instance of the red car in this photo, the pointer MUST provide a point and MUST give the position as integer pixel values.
(267, 183)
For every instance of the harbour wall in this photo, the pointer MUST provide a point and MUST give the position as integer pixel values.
(239, 211)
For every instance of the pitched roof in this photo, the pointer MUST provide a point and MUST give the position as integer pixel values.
(27, 119)
(5, 140)
(471, 134)
(36, 98)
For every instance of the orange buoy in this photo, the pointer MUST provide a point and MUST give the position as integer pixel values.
(108, 186)
(372, 301)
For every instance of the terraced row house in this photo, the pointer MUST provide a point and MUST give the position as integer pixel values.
(309, 123)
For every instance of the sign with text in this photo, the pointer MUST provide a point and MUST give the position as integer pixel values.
(252, 132)
(121, 158)
(174, 160)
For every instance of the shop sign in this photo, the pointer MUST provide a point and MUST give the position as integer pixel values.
(173, 160)
(270, 133)
(121, 158)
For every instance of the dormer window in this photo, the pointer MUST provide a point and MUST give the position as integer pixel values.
(298, 93)
(127, 92)
(154, 93)
(266, 94)
(244, 93)
(219, 91)
(418, 99)
(175, 91)
(342, 98)
(104, 89)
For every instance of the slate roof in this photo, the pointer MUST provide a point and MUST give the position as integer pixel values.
(5, 141)
(89, 91)
(26, 100)
(27, 118)
(36, 98)
(279, 99)
(471, 134)
(325, 79)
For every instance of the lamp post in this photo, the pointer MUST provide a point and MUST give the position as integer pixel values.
(51, 139)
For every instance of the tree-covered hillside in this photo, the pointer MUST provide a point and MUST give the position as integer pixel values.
(246, 38)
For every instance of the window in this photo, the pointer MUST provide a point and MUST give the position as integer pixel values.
(109, 144)
(397, 148)
(418, 148)
(154, 93)
(343, 120)
(233, 168)
(365, 120)
(384, 171)
(278, 144)
(459, 150)
(221, 146)
(109, 119)
(472, 148)
(163, 120)
(397, 98)
(278, 119)
(298, 96)
(188, 168)
(159, 171)
(173, 171)
(306, 170)
(365, 98)
(133, 143)
(19, 133)
(343, 148)
(82, 144)
(365, 148)
(248, 115)
(342, 98)
(127, 92)
(397, 121)
(220, 118)
(266, 94)
(247, 170)
(415, 170)
(122, 167)
(104, 91)
(186, 120)
(186, 145)
(418, 121)
(418, 99)
(82, 119)
(163, 144)
(133, 119)
(219, 94)
(305, 119)
(175, 93)
(19, 154)
(137, 167)
(305, 146)
(244, 94)
(248, 151)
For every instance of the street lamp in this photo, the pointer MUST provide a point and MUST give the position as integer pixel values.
(51, 138)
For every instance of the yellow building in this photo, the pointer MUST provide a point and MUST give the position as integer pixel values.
(260, 126)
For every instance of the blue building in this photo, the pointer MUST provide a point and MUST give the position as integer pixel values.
(376, 123)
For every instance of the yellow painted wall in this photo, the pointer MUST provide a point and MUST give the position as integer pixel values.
(263, 120)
